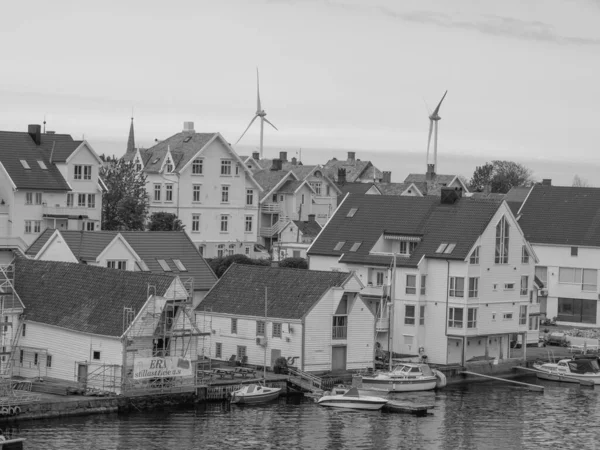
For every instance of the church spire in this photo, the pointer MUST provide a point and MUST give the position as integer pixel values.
(131, 140)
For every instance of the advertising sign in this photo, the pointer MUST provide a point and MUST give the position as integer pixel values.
(169, 366)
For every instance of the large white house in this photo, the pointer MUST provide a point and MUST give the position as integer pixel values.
(47, 180)
(464, 278)
(201, 179)
(315, 319)
(563, 225)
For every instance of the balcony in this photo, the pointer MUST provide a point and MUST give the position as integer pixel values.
(273, 229)
(339, 332)
(63, 211)
(382, 325)
(270, 208)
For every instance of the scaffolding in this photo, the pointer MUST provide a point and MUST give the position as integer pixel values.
(11, 310)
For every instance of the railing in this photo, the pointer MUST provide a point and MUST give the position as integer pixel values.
(313, 380)
(274, 229)
(66, 211)
(270, 207)
(382, 324)
(339, 332)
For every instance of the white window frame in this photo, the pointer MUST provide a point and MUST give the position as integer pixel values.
(249, 197)
(453, 288)
(473, 287)
(224, 223)
(225, 193)
(410, 316)
(472, 317)
(196, 193)
(248, 224)
(474, 258)
(501, 250)
(196, 223)
(168, 192)
(198, 166)
(157, 191)
(453, 321)
(226, 167)
(411, 286)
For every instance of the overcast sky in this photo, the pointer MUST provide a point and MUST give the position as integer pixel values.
(522, 75)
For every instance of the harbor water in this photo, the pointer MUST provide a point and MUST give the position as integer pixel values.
(479, 416)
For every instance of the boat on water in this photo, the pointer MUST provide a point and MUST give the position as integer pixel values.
(569, 370)
(12, 444)
(405, 377)
(351, 399)
(254, 393)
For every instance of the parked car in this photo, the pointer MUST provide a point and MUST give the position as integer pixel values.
(556, 338)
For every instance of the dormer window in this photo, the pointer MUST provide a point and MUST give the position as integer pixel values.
(169, 165)
(138, 165)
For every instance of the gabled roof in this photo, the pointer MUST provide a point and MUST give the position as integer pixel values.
(63, 145)
(150, 246)
(291, 293)
(290, 186)
(433, 186)
(395, 188)
(354, 169)
(460, 223)
(562, 215)
(17, 146)
(357, 188)
(421, 177)
(80, 297)
(516, 196)
(309, 228)
(269, 179)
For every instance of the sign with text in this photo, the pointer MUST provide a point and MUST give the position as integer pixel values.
(169, 366)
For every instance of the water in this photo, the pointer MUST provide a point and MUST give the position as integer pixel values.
(481, 416)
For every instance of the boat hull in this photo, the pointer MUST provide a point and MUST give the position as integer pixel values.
(565, 378)
(352, 403)
(249, 399)
(399, 385)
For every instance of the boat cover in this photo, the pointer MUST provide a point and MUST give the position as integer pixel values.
(584, 366)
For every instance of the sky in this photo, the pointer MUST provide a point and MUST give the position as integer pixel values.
(335, 75)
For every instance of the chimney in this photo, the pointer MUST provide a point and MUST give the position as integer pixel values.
(276, 164)
(547, 182)
(35, 131)
(450, 195)
(294, 161)
(351, 157)
(188, 127)
(311, 217)
(256, 155)
(387, 177)
(430, 175)
(283, 156)
(341, 176)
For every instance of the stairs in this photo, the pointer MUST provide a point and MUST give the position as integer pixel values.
(305, 381)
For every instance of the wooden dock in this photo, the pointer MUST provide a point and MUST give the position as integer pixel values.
(531, 387)
(561, 378)
(395, 406)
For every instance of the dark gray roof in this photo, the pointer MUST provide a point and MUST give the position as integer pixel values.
(291, 293)
(309, 228)
(268, 179)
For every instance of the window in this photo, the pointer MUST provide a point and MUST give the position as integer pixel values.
(114, 264)
(450, 248)
(138, 165)
(224, 194)
(48, 360)
(157, 188)
(339, 245)
(351, 212)
(274, 198)
(237, 170)
(224, 224)
(355, 246)
(523, 315)
(29, 198)
(524, 255)
(96, 355)
(218, 350)
(406, 248)
(248, 224)
(422, 315)
(249, 196)
(524, 284)
(260, 327)
(42, 165)
(25, 164)
(411, 284)
(35, 359)
(231, 249)
(38, 198)
(577, 310)
(587, 278)
(301, 201)
(379, 276)
(457, 287)
(225, 167)
(247, 250)
(509, 286)
(169, 165)
(164, 265)
(241, 351)
(423, 284)
(474, 258)
(201, 249)
(28, 226)
(91, 201)
(82, 172)
(574, 251)
(276, 329)
(473, 287)
(409, 315)
(339, 328)
(502, 235)
(507, 316)
(78, 172)
(179, 265)
(21, 354)
(196, 222)
(197, 166)
(233, 326)
(441, 247)
(169, 192)
(455, 317)
(81, 200)
(37, 226)
(24, 330)
(472, 318)
(70, 200)
(542, 273)
(221, 250)
(196, 193)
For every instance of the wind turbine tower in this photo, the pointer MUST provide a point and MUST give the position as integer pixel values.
(261, 113)
(434, 118)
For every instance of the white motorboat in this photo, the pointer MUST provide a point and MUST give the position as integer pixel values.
(569, 370)
(254, 393)
(351, 399)
(405, 377)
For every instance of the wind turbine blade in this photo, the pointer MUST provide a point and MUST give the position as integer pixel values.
(429, 139)
(437, 109)
(426, 106)
(258, 108)
(247, 128)
(265, 119)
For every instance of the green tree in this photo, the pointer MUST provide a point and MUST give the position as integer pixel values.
(500, 176)
(164, 221)
(294, 263)
(125, 205)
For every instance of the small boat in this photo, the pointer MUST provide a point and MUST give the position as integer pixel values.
(406, 377)
(569, 370)
(351, 399)
(12, 444)
(254, 393)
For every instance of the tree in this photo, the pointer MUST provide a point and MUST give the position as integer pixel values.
(500, 176)
(220, 265)
(125, 205)
(164, 221)
(580, 182)
(294, 263)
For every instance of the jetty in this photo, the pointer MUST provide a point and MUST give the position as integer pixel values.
(531, 387)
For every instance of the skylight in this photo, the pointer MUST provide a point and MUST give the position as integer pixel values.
(449, 248)
(352, 212)
(187, 139)
(355, 246)
(339, 245)
(164, 265)
(156, 160)
(24, 164)
(42, 165)
(142, 265)
(442, 247)
(179, 265)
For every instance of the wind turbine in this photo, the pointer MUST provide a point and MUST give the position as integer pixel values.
(259, 113)
(434, 117)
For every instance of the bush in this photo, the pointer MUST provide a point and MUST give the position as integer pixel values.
(220, 265)
(294, 263)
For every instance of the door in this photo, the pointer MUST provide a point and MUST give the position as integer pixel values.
(454, 351)
(338, 359)
(82, 372)
(275, 353)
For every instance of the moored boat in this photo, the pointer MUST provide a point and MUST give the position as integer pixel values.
(254, 393)
(351, 399)
(405, 377)
(570, 370)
